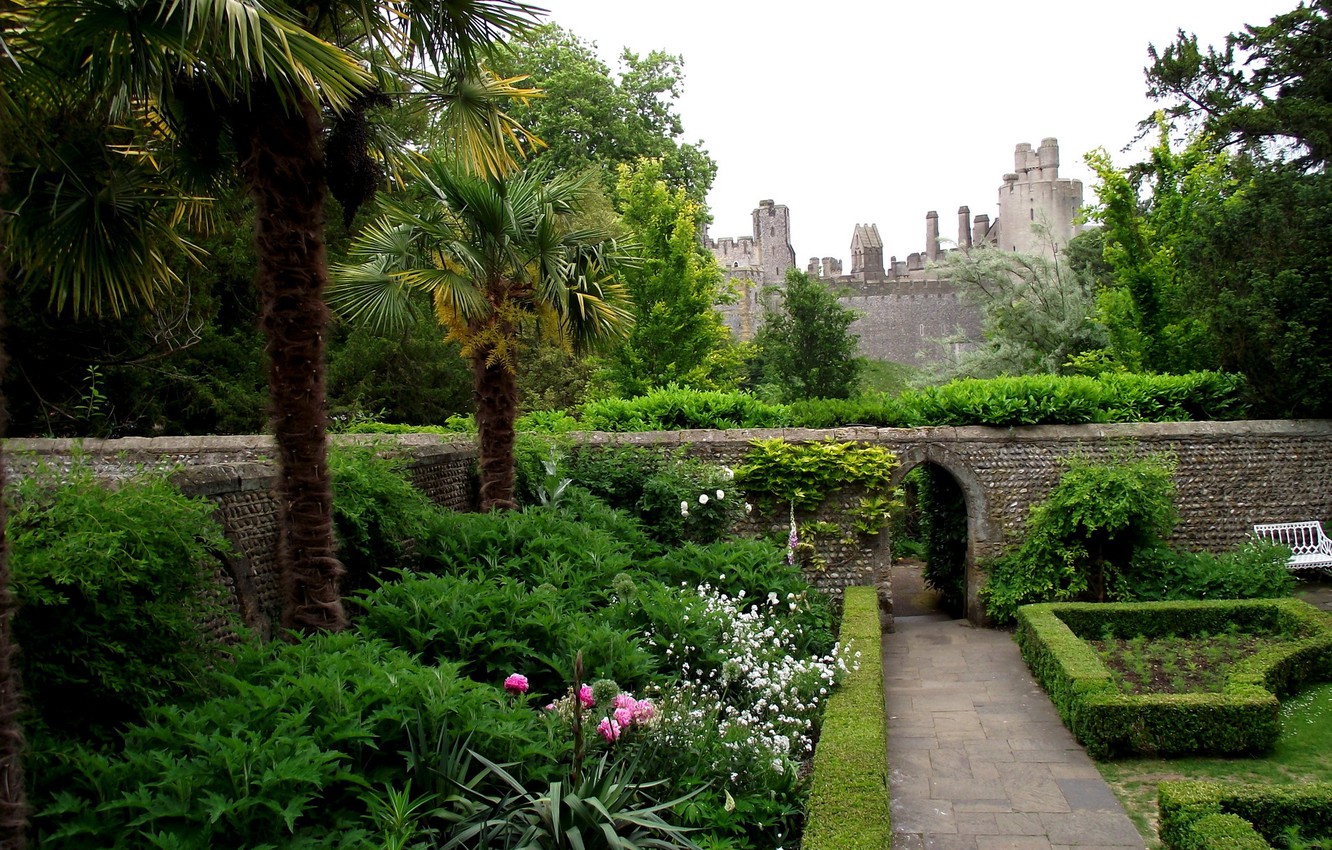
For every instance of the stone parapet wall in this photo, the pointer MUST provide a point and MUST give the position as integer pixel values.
(1228, 475)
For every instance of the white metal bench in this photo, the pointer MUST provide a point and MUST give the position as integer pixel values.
(1310, 548)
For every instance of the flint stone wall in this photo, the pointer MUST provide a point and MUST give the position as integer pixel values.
(1228, 475)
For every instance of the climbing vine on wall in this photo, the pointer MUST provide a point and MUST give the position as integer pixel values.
(805, 474)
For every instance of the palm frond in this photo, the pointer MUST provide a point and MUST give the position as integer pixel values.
(368, 294)
(474, 128)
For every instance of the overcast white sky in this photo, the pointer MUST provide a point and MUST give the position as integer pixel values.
(853, 111)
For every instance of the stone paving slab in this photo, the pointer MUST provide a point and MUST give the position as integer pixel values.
(978, 758)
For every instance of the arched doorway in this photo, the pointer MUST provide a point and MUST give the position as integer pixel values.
(955, 533)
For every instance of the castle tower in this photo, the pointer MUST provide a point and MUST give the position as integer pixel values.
(867, 251)
(772, 235)
(1033, 195)
(931, 236)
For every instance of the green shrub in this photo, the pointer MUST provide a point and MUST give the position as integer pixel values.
(674, 409)
(291, 751)
(1084, 536)
(943, 525)
(1207, 814)
(1254, 570)
(1244, 718)
(848, 799)
(114, 585)
(672, 495)
(803, 475)
(378, 515)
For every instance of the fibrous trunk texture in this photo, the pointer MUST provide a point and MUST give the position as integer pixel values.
(13, 797)
(284, 173)
(496, 410)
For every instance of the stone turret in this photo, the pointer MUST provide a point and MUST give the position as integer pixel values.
(931, 236)
(964, 227)
(1035, 195)
(867, 251)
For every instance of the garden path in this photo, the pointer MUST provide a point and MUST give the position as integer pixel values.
(978, 757)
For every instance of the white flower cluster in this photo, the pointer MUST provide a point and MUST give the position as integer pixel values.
(764, 700)
(703, 499)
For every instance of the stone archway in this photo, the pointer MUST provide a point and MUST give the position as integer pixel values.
(984, 531)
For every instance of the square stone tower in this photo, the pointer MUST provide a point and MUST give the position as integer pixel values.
(1035, 194)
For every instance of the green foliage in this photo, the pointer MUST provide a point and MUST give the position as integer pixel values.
(677, 337)
(605, 808)
(378, 515)
(805, 349)
(848, 800)
(805, 474)
(1241, 719)
(286, 753)
(1254, 570)
(943, 526)
(675, 408)
(1037, 314)
(413, 376)
(591, 118)
(1084, 535)
(675, 497)
(1208, 814)
(114, 585)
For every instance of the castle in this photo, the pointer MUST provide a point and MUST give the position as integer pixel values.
(907, 307)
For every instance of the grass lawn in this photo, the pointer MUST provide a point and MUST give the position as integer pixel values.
(1301, 755)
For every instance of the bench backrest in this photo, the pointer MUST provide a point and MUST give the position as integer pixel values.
(1302, 538)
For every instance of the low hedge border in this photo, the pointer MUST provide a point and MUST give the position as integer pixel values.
(848, 797)
(1206, 815)
(1243, 718)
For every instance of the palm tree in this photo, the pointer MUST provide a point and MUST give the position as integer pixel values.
(493, 253)
(263, 83)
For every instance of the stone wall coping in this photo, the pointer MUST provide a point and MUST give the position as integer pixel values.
(435, 445)
(219, 478)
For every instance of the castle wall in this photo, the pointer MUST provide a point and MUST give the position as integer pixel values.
(905, 321)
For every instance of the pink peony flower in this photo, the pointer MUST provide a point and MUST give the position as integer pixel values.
(516, 684)
(585, 696)
(623, 716)
(550, 706)
(624, 701)
(644, 711)
(608, 729)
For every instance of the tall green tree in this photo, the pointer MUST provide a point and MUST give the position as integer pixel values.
(1037, 313)
(1144, 211)
(805, 347)
(1268, 90)
(494, 254)
(591, 117)
(678, 337)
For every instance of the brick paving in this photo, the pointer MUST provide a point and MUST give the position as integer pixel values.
(977, 755)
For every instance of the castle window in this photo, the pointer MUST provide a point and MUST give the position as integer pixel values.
(772, 231)
(1033, 213)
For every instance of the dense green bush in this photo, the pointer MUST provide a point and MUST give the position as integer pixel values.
(943, 526)
(677, 499)
(1084, 536)
(1254, 570)
(1243, 719)
(848, 800)
(1244, 817)
(298, 747)
(803, 475)
(114, 584)
(674, 409)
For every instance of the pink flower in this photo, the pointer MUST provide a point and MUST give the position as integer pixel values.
(608, 729)
(585, 696)
(550, 706)
(644, 711)
(624, 701)
(623, 716)
(516, 684)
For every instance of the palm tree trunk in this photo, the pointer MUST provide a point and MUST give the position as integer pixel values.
(13, 797)
(496, 390)
(284, 173)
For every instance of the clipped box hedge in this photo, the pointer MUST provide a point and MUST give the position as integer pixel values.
(1243, 719)
(1204, 815)
(848, 796)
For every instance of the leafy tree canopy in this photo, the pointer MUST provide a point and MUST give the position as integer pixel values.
(677, 336)
(805, 347)
(589, 117)
(1269, 89)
